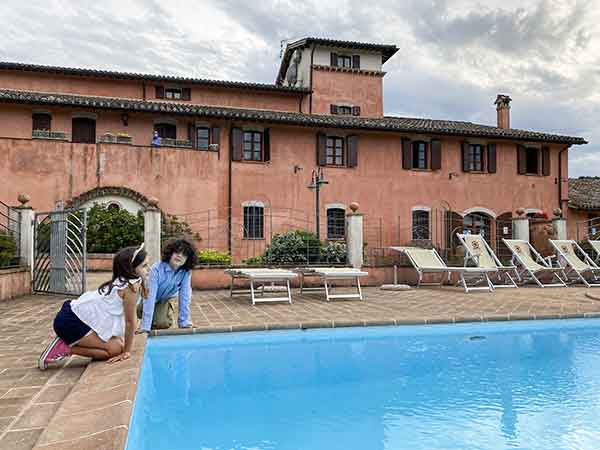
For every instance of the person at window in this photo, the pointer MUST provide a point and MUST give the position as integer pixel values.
(169, 278)
(156, 139)
(100, 323)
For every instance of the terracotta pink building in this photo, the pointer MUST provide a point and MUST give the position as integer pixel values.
(235, 158)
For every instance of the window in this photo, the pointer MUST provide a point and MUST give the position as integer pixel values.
(420, 225)
(253, 222)
(252, 146)
(419, 159)
(344, 61)
(334, 152)
(476, 157)
(113, 206)
(336, 223)
(173, 93)
(532, 160)
(202, 138)
(344, 110)
(83, 130)
(166, 130)
(41, 121)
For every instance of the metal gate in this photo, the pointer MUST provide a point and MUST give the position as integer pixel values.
(59, 263)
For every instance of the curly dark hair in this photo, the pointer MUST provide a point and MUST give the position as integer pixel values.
(183, 246)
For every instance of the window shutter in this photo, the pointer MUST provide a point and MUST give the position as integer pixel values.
(334, 60)
(192, 134)
(186, 94)
(356, 110)
(333, 109)
(521, 159)
(41, 121)
(545, 161)
(491, 158)
(321, 149)
(160, 92)
(466, 159)
(237, 144)
(436, 154)
(215, 136)
(352, 146)
(406, 154)
(356, 61)
(267, 145)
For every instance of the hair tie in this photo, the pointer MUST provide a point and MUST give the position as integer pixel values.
(138, 250)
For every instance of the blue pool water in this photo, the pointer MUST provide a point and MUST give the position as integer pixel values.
(524, 385)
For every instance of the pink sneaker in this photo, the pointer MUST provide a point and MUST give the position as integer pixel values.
(56, 351)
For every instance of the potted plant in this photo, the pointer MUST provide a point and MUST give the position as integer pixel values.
(108, 137)
(123, 138)
(541, 231)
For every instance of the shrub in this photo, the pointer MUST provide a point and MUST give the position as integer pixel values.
(109, 230)
(334, 252)
(8, 249)
(293, 247)
(175, 228)
(210, 256)
(255, 261)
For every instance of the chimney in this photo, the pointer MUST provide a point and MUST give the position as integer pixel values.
(503, 109)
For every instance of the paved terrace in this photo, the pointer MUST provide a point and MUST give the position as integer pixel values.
(83, 406)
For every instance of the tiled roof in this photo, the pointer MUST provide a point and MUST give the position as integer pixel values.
(387, 50)
(584, 193)
(396, 124)
(13, 66)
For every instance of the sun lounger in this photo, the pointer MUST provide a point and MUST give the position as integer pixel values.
(596, 247)
(258, 278)
(329, 274)
(480, 253)
(428, 261)
(575, 268)
(531, 264)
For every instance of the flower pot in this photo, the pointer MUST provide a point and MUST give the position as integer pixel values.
(540, 232)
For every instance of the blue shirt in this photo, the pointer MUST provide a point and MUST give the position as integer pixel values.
(156, 140)
(164, 283)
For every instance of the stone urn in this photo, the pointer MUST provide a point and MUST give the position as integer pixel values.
(541, 231)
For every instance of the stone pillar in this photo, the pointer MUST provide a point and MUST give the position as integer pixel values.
(26, 218)
(559, 223)
(152, 231)
(520, 228)
(354, 236)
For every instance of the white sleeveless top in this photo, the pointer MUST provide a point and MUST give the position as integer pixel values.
(103, 313)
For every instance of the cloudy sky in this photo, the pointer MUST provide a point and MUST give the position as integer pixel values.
(454, 57)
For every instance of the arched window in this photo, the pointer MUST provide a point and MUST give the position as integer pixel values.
(254, 223)
(420, 225)
(336, 223)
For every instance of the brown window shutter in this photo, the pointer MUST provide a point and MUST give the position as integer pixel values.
(41, 121)
(356, 61)
(491, 158)
(406, 154)
(321, 149)
(267, 145)
(521, 159)
(237, 144)
(215, 136)
(356, 110)
(160, 91)
(192, 134)
(545, 161)
(333, 109)
(186, 94)
(436, 154)
(466, 159)
(334, 60)
(352, 146)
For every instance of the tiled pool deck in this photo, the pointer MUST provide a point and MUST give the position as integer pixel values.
(83, 406)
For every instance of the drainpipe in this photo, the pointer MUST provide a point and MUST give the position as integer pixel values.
(312, 54)
(229, 192)
(560, 177)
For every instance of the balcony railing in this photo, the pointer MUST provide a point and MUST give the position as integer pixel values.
(45, 134)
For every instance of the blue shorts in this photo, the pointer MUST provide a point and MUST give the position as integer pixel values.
(68, 326)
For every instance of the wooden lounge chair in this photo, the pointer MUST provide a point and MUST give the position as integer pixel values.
(429, 261)
(575, 268)
(258, 278)
(531, 265)
(480, 253)
(329, 274)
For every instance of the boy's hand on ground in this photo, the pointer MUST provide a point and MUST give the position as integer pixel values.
(122, 357)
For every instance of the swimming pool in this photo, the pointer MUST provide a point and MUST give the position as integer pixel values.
(526, 385)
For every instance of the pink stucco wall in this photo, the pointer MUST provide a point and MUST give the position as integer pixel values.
(14, 283)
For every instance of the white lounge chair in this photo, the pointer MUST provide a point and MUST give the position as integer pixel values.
(481, 254)
(531, 264)
(329, 274)
(596, 247)
(576, 269)
(429, 261)
(261, 277)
